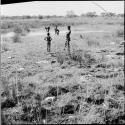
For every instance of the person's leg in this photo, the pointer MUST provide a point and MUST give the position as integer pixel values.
(47, 47)
(68, 47)
(48, 29)
(66, 43)
(57, 32)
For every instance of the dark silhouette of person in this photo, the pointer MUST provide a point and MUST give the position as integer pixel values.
(47, 29)
(56, 30)
(48, 39)
(67, 43)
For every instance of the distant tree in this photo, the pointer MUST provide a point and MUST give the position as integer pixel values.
(83, 14)
(54, 16)
(91, 14)
(121, 15)
(111, 14)
(40, 17)
(48, 16)
(108, 14)
(103, 14)
(27, 17)
(71, 14)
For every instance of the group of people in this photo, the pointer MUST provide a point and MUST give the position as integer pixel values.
(49, 39)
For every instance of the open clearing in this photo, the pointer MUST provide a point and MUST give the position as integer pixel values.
(86, 87)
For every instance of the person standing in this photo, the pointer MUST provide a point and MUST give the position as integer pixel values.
(56, 30)
(48, 39)
(67, 43)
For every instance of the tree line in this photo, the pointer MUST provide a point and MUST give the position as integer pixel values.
(70, 14)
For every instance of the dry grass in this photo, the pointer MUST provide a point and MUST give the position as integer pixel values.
(65, 93)
(36, 23)
(96, 102)
(80, 57)
(4, 47)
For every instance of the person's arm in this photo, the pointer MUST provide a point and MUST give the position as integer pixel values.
(50, 38)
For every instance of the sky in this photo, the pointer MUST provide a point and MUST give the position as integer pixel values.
(60, 8)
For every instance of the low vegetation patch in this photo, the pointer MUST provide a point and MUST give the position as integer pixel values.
(4, 47)
(16, 38)
(21, 29)
(80, 57)
(120, 32)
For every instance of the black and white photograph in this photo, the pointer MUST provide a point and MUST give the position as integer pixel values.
(62, 62)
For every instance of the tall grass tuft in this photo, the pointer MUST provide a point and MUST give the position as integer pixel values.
(77, 56)
(60, 57)
(92, 41)
(4, 47)
(83, 58)
(5, 86)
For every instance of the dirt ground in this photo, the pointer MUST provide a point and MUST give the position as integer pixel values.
(86, 87)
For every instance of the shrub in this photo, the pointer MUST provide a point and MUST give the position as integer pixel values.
(16, 38)
(60, 57)
(5, 86)
(22, 30)
(77, 56)
(18, 29)
(83, 58)
(89, 59)
(91, 14)
(120, 32)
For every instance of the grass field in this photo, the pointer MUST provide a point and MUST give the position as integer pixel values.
(9, 24)
(85, 87)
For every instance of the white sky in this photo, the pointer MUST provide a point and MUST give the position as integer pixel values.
(60, 7)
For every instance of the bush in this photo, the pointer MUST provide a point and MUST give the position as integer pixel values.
(21, 30)
(60, 57)
(26, 28)
(18, 29)
(16, 38)
(91, 14)
(120, 32)
(80, 57)
(89, 58)
(40, 17)
(77, 56)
